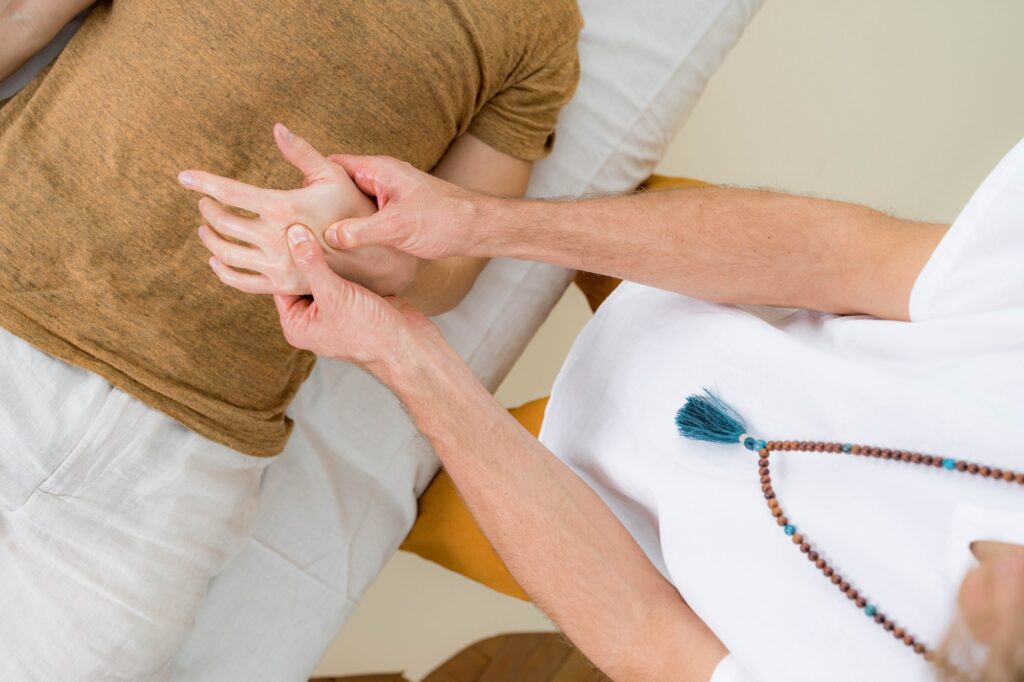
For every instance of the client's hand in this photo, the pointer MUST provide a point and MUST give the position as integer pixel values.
(419, 214)
(342, 319)
(328, 195)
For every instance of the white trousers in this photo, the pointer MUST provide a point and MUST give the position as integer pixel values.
(113, 519)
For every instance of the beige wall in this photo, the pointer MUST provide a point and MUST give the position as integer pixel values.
(900, 104)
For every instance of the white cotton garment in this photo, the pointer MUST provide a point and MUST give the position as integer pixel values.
(949, 383)
(113, 519)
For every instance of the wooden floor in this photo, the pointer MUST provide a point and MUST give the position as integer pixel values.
(540, 657)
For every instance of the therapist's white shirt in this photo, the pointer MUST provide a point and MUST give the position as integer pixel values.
(950, 383)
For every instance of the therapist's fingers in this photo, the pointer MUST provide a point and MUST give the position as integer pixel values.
(295, 313)
(301, 153)
(377, 176)
(226, 191)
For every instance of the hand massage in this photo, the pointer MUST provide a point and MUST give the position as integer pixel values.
(254, 266)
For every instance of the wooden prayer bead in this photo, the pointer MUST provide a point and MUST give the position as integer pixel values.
(860, 601)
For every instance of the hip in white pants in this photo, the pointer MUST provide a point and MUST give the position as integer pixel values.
(113, 519)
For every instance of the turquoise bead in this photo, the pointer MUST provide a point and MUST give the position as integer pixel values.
(761, 445)
(749, 443)
(847, 448)
(949, 463)
(789, 529)
(870, 610)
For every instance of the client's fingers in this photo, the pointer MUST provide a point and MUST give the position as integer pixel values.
(230, 224)
(300, 153)
(245, 282)
(229, 253)
(226, 191)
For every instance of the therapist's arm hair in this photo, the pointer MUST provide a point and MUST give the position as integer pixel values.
(721, 244)
(728, 245)
(557, 537)
(439, 285)
(26, 26)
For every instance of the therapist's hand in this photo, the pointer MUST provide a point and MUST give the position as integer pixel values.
(261, 264)
(417, 213)
(343, 319)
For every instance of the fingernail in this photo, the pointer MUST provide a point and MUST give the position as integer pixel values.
(285, 133)
(332, 236)
(185, 178)
(297, 235)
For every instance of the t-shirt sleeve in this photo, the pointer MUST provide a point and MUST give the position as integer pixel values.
(520, 119)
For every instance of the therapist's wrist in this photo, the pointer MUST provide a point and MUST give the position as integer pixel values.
(498, 227)
(421, 369)
(413, 354)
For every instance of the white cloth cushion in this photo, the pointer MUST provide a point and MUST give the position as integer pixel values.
(339, 500)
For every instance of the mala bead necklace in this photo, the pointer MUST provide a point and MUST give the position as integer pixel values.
(707, 418)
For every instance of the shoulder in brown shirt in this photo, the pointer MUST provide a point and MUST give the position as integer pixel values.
(99, 263)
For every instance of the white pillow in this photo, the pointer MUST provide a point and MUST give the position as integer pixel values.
(644, 65)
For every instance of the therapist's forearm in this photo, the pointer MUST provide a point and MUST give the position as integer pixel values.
(725, 245)
(558, 538)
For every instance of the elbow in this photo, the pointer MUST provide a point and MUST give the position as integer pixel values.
(24, 28)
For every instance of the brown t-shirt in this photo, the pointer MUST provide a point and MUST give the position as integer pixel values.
(99, 262)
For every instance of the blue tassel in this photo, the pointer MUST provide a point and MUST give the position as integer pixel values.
(707, 417)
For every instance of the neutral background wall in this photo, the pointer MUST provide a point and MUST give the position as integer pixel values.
(900, 104)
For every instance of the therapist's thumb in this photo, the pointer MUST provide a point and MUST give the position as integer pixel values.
(309, 259)
(380, 229)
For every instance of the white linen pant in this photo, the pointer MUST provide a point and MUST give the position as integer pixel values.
(113, 519)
